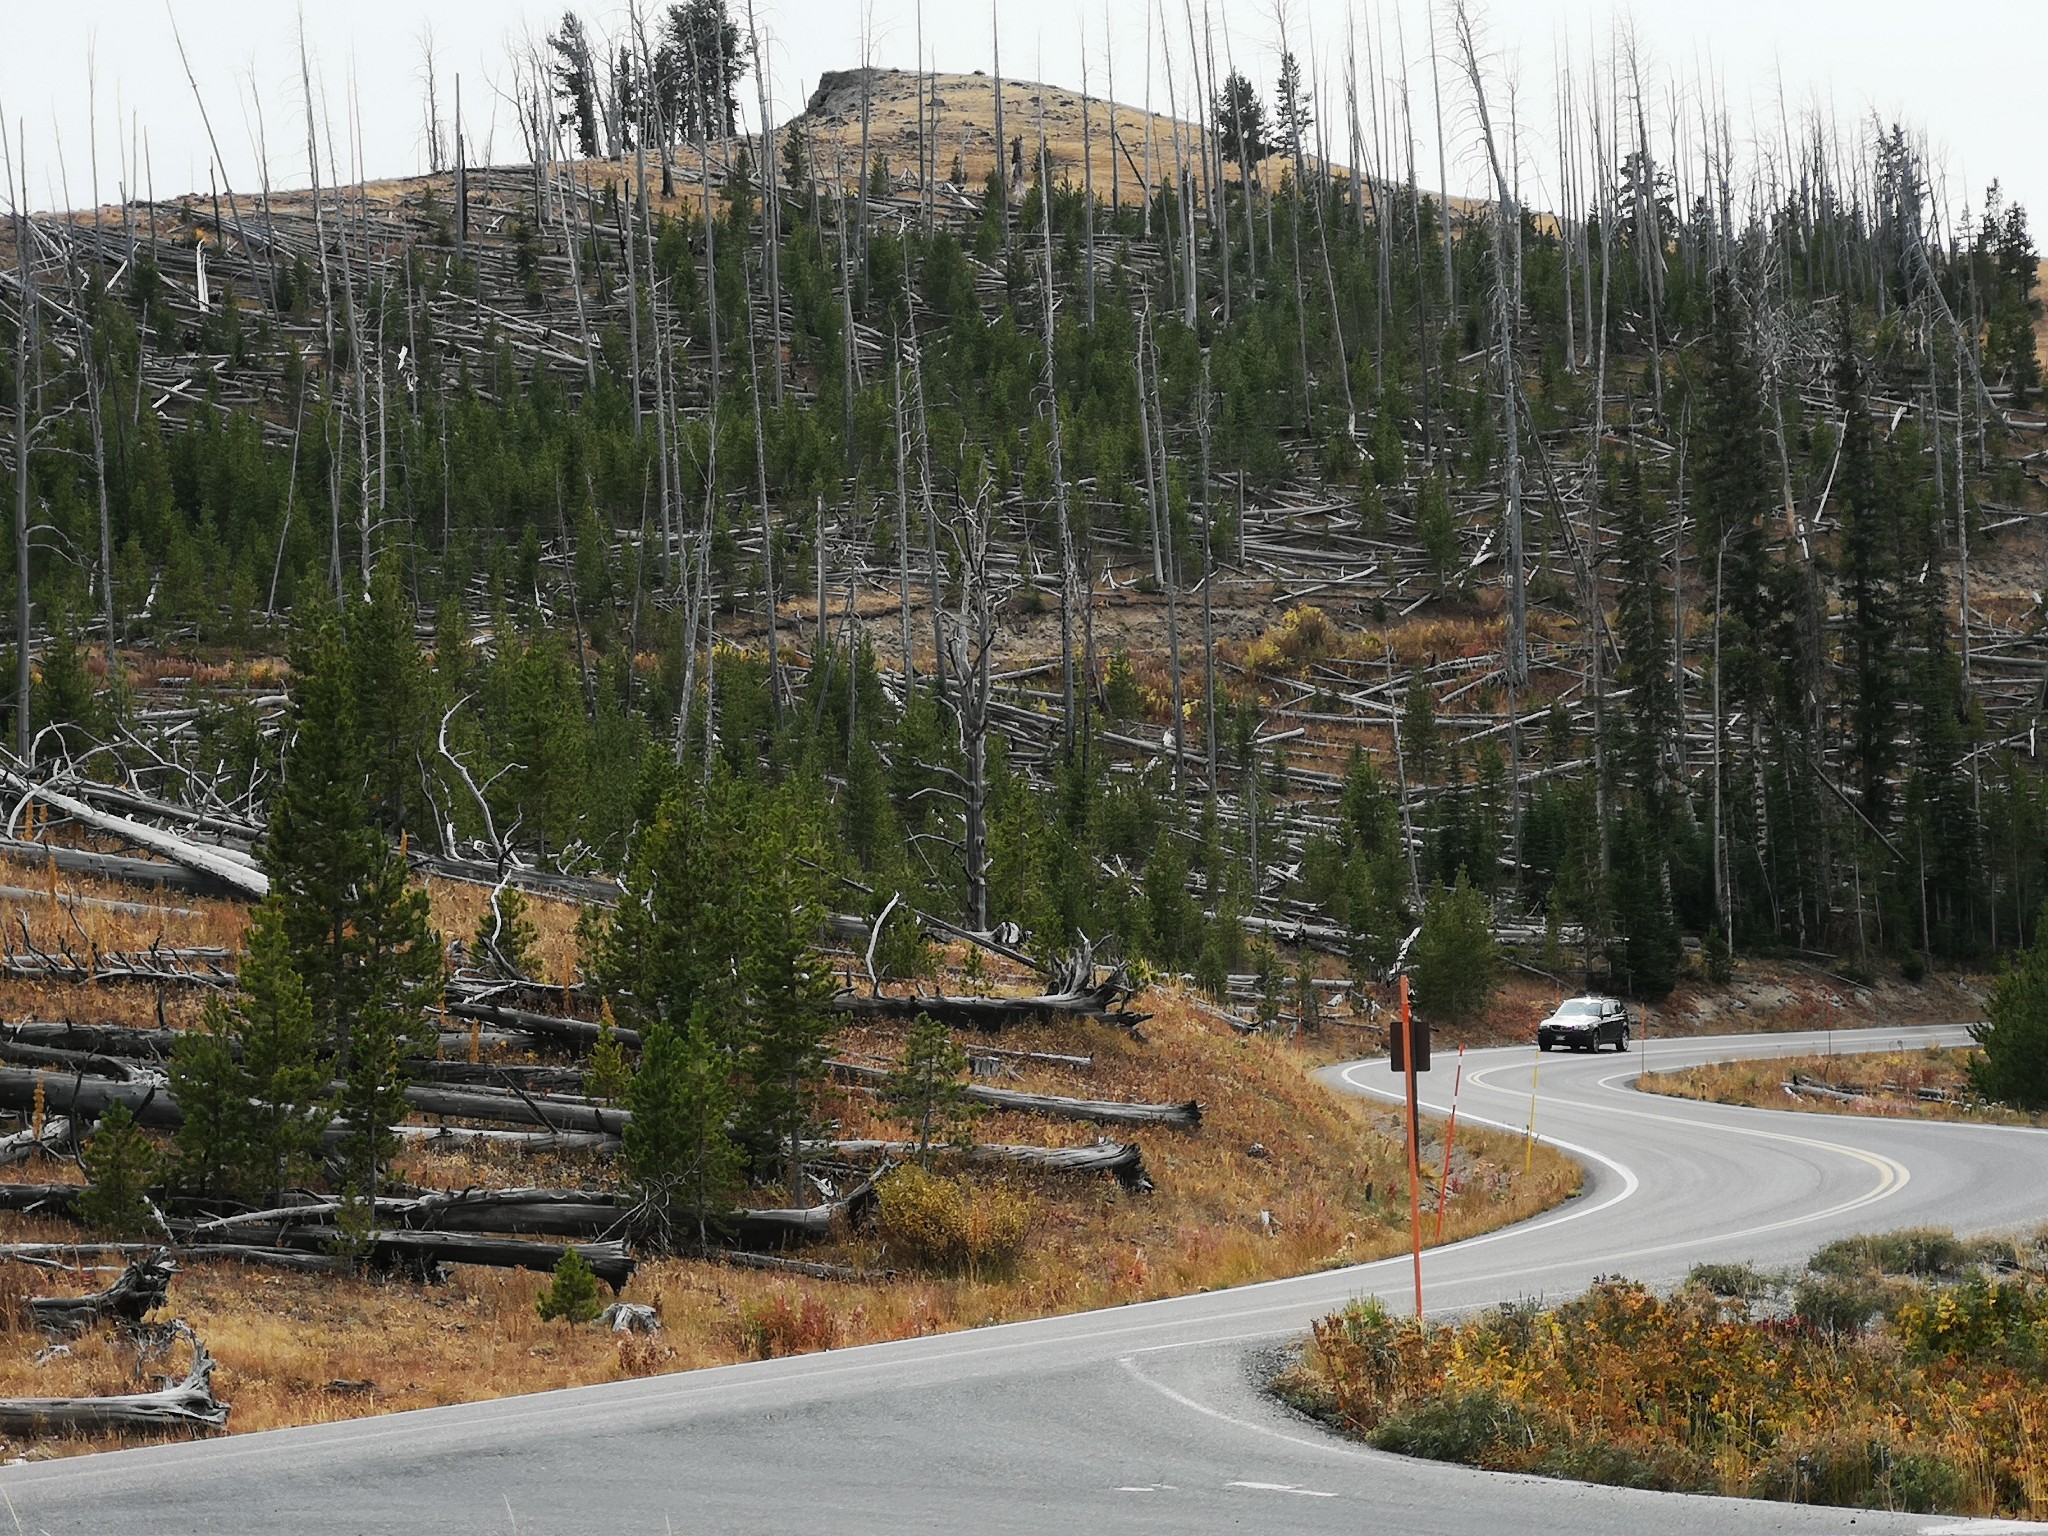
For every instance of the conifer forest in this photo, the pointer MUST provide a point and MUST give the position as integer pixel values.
(980, 551)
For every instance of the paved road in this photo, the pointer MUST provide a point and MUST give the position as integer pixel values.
(1142, 1418)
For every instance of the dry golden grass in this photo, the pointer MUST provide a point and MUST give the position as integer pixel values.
(1891, 1079)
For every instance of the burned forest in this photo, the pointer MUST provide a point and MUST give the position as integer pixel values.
(841, 706)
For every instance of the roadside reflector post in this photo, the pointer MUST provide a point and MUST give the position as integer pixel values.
(1443, 1185)
(1412, 1058)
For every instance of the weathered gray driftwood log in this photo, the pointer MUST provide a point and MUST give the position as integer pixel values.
(25, 1144)
(88, 1098)
(993, 1013)
(143, 1287)
(582, 1033)
(275, 1258)
(57, 1199)
(92, 1063)
(134, 1044)
(391, 1248)
(541, 1079)
(188, 1404)
(230, 867)
(112, 866)
(1103, 1111)
(565, 1213)
(1120, 1159)
(527, 1142)
(507, 1107)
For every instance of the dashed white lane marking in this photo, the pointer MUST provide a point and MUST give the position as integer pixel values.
(1305, 1493)
(1148, 1488)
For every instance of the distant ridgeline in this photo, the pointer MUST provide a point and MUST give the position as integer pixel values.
(1105, 523)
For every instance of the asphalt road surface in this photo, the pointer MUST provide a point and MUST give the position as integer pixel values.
(1141, 1418)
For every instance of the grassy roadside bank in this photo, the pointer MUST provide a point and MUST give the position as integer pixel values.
(1906, 1372)
(1929, 1084)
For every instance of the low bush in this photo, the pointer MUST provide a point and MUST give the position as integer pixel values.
(936, 1223)
(1861, 1474)
(780, 1325)
(1980, 1320)
(1473, 1427)
(1841, 1306)
(1743, 1282)
(1920, 1251)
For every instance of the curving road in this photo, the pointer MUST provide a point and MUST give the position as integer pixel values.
(1142, 1418)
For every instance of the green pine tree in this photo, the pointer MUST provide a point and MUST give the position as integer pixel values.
(679, 1156)
(213, 1091)
(120, 1169)
(281, 1064)
(786, 988)
(1456, 960)
(2012, 1067)
(924, 1092)
(356, 932)
(571, 1294)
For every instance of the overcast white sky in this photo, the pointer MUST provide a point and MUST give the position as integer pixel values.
(1965, 74)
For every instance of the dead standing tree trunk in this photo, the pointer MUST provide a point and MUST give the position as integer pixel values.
(970, 636)
(1507, 226)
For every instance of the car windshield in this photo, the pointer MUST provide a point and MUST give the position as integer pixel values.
(1578, 1008)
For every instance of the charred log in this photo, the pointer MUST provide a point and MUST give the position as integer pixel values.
(1120, 1159)
(143, 1287)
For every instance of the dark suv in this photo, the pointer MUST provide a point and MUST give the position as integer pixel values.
(1586, 1024)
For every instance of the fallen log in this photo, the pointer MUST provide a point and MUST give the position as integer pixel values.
(393, 1248)
(994, 1013)
(24, 896)
(1806, 1087)
(1187, 1113)
(57, 1199)
(550, 1111)
(143, 1287)
(577, 888)
(123, 867)
(585, 1213)
(113, 969)
(124, 1071)
(1046, 1058)
(582, 1033)
(489, 1074)
(93, 1039)
(189, 1404)
(782, 1265)
(242, 832)
(87, 1098)
(23, 1145)
(566, 1213)
(1120, 1159)
(514, 1141)
(77, 1253)
(237, 871)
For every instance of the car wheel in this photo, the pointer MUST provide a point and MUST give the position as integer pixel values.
(1543, 1045)
(1621, 1041)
